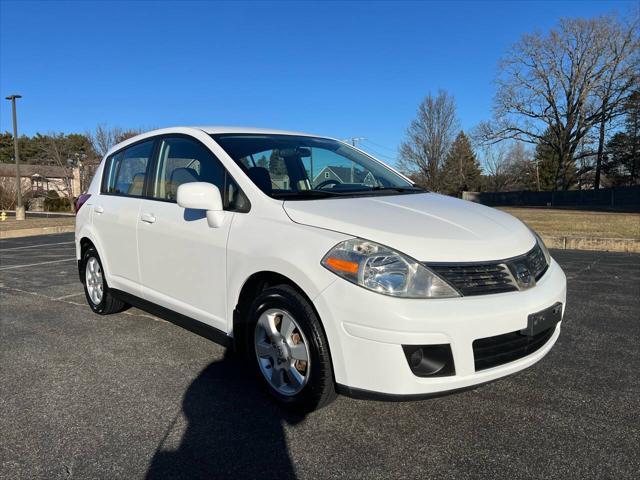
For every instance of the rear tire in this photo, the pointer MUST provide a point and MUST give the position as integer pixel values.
(96, 290)
(288, 350)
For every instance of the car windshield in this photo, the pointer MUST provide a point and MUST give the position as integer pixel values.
(300, 167)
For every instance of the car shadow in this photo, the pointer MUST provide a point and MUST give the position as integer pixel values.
(234, 430)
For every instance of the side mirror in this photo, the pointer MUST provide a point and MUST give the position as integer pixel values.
(202, 196)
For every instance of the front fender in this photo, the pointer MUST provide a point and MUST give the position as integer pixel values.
(291, 250)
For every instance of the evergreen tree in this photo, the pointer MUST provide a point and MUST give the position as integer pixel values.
(622, 165)
(277, 168)
(547, 163)
(262, 162)
(553, 174)
(6, 147)
(28, 148)
(461, 170)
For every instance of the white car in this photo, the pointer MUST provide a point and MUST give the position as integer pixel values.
(330, 270)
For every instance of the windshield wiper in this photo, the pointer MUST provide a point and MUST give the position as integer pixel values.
(304, 194)
(398, 189)
(310, 194)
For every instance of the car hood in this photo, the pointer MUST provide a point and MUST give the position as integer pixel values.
(426, 226)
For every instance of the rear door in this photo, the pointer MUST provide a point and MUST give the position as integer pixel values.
(182, 259)
(116, 212)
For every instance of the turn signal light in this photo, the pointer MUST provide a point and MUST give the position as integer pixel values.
(342, 265)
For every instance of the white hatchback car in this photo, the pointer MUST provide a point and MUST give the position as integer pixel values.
(330, 270)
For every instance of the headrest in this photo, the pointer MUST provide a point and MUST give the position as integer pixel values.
(180, 176)
(260, 176)
(137, 184)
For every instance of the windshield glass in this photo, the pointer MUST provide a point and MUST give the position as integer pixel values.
(294, 167)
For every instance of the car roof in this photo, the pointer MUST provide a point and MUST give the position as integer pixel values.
(220, 129)
(210, 130)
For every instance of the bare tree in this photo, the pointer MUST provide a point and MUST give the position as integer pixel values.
(496, 167)
(428, 139)
(548, 88)
(509, 167)
(57, 149)
(522, 168)
(8, 195)
(103, 137)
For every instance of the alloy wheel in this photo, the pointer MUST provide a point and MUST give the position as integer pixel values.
(282, 351)
(94, 280)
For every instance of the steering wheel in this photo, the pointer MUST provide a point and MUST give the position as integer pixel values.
(326, 183)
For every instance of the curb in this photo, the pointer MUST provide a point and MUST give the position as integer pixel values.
(628, 245)
(31, 232)
(31, 213)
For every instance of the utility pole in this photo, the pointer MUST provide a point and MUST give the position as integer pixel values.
(353, 141)
(19, 207)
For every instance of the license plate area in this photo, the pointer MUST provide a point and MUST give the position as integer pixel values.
(543, 320)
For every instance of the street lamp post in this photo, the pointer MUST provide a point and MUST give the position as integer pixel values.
(19, 207)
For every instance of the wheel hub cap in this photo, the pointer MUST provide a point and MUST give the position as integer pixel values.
(94, 280)
(282, 351)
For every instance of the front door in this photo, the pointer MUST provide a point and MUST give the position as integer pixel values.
(183, 259)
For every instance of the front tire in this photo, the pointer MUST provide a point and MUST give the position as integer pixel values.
(99, 296)
(288, 349)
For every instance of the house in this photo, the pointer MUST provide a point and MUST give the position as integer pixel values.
(38, 180)
(345, 175)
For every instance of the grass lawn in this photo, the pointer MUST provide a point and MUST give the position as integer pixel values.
(546, 221)
(579, 223)
(35, 222)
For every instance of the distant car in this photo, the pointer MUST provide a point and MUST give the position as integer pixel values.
(330, 270)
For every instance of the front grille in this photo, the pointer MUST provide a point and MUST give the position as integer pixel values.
(484, 278)
(494, 351)
(478, 279)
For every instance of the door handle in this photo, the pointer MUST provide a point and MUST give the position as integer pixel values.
(148, 217)
(98, 209)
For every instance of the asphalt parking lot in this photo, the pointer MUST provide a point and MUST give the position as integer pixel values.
(131, 396)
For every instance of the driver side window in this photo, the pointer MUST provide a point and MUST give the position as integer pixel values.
(183, 160)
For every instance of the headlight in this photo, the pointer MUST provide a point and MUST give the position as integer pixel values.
(543, 247)
(383, 270)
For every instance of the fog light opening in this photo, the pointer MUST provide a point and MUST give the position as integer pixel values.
(430, 360)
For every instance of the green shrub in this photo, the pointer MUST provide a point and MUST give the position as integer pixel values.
(57, 204)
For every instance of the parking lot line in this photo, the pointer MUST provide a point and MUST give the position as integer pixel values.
(36, 246)
(69, 296)
(132, 313)
(36, 264)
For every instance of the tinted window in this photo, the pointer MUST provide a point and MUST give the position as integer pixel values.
(183, 160)
(288, 166)
(127, 169)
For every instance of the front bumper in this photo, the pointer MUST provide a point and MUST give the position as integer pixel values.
(366, 332)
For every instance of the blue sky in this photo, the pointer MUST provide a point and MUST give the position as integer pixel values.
(334, 68)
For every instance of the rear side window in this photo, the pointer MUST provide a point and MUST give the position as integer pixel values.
(126, 170)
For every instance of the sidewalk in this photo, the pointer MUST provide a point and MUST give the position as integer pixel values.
(11, 228)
